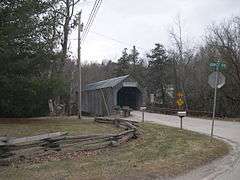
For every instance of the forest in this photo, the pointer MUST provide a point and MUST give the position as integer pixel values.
(36, 64)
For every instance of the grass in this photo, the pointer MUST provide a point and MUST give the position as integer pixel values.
(161, 151)
(28, 127)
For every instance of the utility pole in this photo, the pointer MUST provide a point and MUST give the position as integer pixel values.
(80, 29)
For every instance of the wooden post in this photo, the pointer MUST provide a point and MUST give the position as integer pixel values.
(105, 103)
(143, 110)
(51, 108)
(80, 28)
(181, 124)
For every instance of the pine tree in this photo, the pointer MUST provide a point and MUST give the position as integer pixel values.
(123, 64)
(28, 52)
(158, 72)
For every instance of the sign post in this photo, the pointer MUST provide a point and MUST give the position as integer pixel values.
(182, 114)
(180, 102)
(143, 109)
(216, 80)
(214, 103)
(152, 98)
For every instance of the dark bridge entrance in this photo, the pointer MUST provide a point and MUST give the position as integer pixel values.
(129, 96)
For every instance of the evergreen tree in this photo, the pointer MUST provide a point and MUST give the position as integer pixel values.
(131, 64)
(123, 64)
(134, 56)
(137, 68)
(158, 72)
(27, 43)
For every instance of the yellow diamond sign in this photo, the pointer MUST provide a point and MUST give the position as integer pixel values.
(180, 102)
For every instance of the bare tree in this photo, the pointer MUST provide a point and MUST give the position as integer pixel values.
(224, 39)
(65, 11)
(64, 16)
(180, 56)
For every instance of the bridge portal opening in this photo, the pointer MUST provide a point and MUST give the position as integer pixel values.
(129, 96)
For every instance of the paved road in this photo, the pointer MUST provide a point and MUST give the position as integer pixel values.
(227, 168)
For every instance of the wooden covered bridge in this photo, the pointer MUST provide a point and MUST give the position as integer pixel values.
(101, 98)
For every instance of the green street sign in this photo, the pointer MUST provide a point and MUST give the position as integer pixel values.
(213, 64)
(222, 66)
(218, 65)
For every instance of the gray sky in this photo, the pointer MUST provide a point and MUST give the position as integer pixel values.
(146, 22)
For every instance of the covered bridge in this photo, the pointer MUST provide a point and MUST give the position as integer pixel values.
(100, 98)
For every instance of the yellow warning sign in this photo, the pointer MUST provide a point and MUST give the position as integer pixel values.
(180, 102)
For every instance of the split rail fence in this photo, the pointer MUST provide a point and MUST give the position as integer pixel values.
(14, 149)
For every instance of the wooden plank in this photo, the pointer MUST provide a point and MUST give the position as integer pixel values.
(3, 141)
(129, 125)
(32, 138)
(126, 138)
(3, 138)
(125, 133)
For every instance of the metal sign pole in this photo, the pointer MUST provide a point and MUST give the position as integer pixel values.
(215, 101)
(216, 80)
(181, 127)
(142, 115)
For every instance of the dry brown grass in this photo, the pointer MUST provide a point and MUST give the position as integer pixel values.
(161, 151)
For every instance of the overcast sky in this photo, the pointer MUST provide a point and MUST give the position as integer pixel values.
(146, 22)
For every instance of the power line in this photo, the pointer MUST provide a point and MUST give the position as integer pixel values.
(116, 40)
(90, 21)
(91, 18)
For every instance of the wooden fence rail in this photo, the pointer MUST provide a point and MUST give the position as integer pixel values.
(30, 147)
